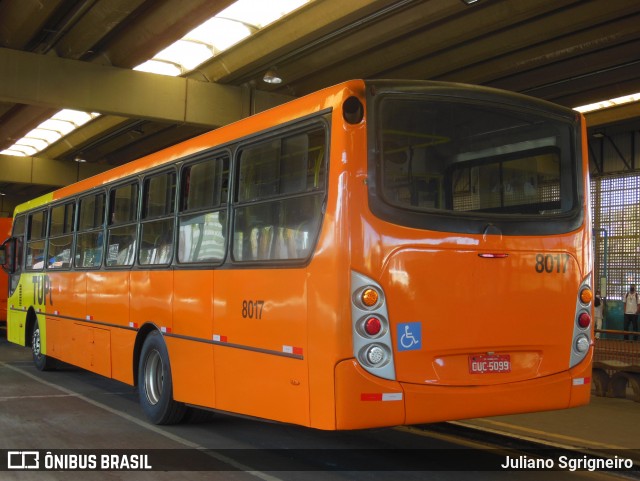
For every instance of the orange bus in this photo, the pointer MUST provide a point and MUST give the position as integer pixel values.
(5, 231)
(377, 253)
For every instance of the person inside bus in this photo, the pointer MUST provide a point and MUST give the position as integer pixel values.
(631, 311)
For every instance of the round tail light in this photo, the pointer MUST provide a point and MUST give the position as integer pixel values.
(375, 355)
(584, 320)
(582, 344)
(369, 297)
(586, 295)
(373, 326)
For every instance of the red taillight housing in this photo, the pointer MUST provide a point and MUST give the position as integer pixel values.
(582, 343)
(584, 320)
(372, 344)
(373, 326)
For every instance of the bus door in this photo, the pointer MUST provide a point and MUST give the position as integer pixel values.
(14, 251)
(5, 232)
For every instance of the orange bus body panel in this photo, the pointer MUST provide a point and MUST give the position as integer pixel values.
(279, 326)
(192, 363)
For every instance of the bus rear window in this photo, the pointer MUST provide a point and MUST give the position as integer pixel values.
(526, 184)
(470, 158)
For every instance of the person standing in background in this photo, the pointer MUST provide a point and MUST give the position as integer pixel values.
(631, 311)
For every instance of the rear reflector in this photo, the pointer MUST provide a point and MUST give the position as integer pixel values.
(581, 381)
(381, 396)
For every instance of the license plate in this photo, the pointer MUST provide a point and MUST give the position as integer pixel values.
(489, 363)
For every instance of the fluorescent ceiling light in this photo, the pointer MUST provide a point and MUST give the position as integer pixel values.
(159, 67)
(605, 104)
(232, 25)
(48, 132)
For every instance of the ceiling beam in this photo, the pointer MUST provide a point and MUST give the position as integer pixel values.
(43, 171)
(53, 82)
(612, 115)
(21, 21)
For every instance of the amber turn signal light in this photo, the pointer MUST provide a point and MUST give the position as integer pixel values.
(369, 297)
(586, 295)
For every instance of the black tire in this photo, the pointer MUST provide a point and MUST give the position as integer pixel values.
(155, 385)
(41, 361)
(198, 416)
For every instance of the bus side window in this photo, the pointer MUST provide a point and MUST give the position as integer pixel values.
(36, 240)
(204, 188)
(122, 230)
(158, 207)
(90, 241)
(279, 197)
(60, 236)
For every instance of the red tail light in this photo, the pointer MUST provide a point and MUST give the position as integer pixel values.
(372, 326)
(584, 320)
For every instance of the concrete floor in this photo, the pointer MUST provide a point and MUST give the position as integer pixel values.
(72, 409)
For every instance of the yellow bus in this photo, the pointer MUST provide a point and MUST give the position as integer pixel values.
(376, 253)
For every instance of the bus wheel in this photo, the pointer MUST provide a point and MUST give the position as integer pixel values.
(42, 361)
(155, 386)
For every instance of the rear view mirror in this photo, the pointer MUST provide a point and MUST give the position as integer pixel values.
(6, 257)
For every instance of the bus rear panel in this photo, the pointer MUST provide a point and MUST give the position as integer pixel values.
(470, 284)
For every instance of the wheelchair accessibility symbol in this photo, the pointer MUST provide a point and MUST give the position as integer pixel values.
(409, 336)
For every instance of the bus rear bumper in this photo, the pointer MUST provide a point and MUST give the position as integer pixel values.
(364, 401)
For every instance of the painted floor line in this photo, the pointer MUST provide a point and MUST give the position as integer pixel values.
(150, 427)
(40, 396)
(536, 434)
